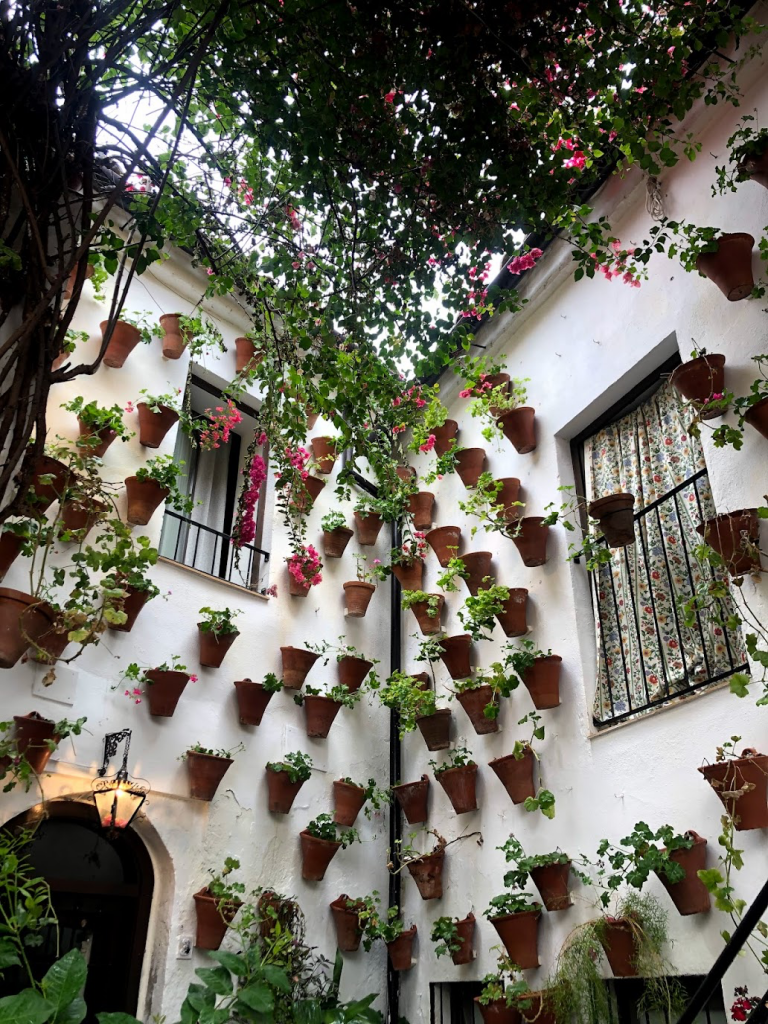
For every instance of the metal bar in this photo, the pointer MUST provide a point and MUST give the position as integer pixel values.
(662, 659)
(210, 529)
(637, 626)
(668, 494)
(681, 647)
(621, 639)
(760, 1013)
(602, 635)
(690, 580)
(395, 814)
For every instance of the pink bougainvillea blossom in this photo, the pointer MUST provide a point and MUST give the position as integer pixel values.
(428, 445)
(304, 566)
(257, 474)
(526, 261)
(221, 422)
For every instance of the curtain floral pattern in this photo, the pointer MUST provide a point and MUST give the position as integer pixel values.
(644, 651)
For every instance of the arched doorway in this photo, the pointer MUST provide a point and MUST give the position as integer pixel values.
(101, 890)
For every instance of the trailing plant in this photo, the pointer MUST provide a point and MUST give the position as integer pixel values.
(517, 877)
(409, 598)
(203, 334)
(220, 886)
(218, 622)
(483, 503)
(522, 656)
(298, 766)
(636, 857)
(338, 693)
(165, 471)
(501, 682)
(544, 800)
(459, 757)
(386, 927)
(304, 565)
(746, 143)
(500, 398)
(446, 581)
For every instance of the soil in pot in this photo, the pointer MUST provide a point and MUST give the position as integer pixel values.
(531, 541)
(728, 533)
(246, 355)
(470, 463)
(519, 934)
(281, 791)
(516, 775)
(43, 492)
(466, 934)
(427, 873)
(347, 802)
(133, 602)
(153, 426)
(507, 498)
(420, 506)
(757, 416)
(699, 379)
(542, 680)
(10, 547)
(429, 624)
(436, 729)
(413, 798)
(316, 855)
(125, 337)
(478, 565)
(444, 436)
(457, 655)
(324, 453)
(460, 785)
(730, 265)
(213, 918)
(552, 882)
(163, 691)
(213, 648)
(689, 895)
(347, 922)
(144, 497)
(99, 440)
(252, 700)
(205, 773)
(296, 664)
(497, 1012)
(352, 671)
(30, 735)
(368, 528)
(513, 619)
(741, 785)
(519, 427)
(23, 620)
(615, 513)
(401, 950)
(335, 541)
(445, 541)
(618, 940)
(358, 596)
(319, 714)
(474, 703)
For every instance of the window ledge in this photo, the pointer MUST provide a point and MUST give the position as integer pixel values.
(673, 702)
(211, 579)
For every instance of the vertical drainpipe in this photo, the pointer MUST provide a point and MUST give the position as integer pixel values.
(395, 814)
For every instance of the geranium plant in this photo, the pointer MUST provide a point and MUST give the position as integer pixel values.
(637, 856)
(501, 682)
(198, 748)
(402, 693)
(746, 143)
(298, 766)
(165, 471)
(221, 887)
(96, 418)
(218, 622)
(455, 569)
(324, 827)
(445, 936)
(506, 982)
(544, 800)
(459, 757)
(478, 615)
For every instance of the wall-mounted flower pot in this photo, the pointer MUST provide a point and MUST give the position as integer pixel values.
(445, 541)
(175, 339)
(422, 679)
(429, 624)
(699, 379)
(335, 541)
(542, 680)
(474, 703)
(540, 1009)
(31, 735)
(457, 655)
(281, 792)
(531, 541)
(24, 619)
(163, 691)
(247, 356)
(552, 882)
(50, 479)
(460, 785)
(497, 1012)
(516, 775)
(401, 950)
(213, 918)
(153, 426)
(727, 534)
(420, 506)
(346, 920)
(347, 802)
(478, 565)
(519, 426)
(80, 517)
(618, 940)
(10, 548)
(413, 797)
(324, 453)
(312, 418)
(689, 895)
(741, 785)
(436, 729)
(352, 671)
(144, 497)
(757, 416)
(274, 909)
(358, 596)
(205, 773)
(409, 576)
(513, 619)
(133, 602)
(52, 644)
(296, 588)
(305, 495)
(213, 648)
(316, 855)
(125, 337)
(519, 934)
(507, 497)
(319, 715)
(757, 168)
(406, 473)
(444, 436)
(105, 438)
(730, 265)
(368, 528)
(498, 380)
(615, 513)
(296, 665)
(469, 465)
(427, 873)
(252, 701)
(465, 934)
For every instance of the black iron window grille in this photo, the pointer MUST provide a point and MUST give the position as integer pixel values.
(211, 551)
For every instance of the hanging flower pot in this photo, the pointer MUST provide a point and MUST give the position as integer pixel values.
(617, 937)
(335, 541)
(445, 541)
(319, 714)
(444, 436)
(31, 735)
(519, 934)
(358, 596)
(540, 1009)
(741, 785)
(163, 691)
(542, 680)
(470, 463)
(106, 436)
(699, 379)
(401, 950)
(757, 416)
(296, 664)
(213, 918)
(144, 497)
(352, 671)
(205, 773)
(412, 797)
(133, 602)
(436, 729)
(422, 679)
(153, 426)
(252, 700)
(247, 356)
(273, 910)
(615, 513)
(50, 479)
(348, 801)
(531, 541)
(497, 1012)
(465, 934)
(513, 618)
(497, 380)
(507, 498)
(728, 533)
(516, 775)
(125, 337)
(519, 426)
(24, 619)
(478, 564)
(552, 882)
(212, 647)
(281, 792)
(409, 576)
(689, 895)
(307, 493)
(420, 506)
(175, 338)
(457, 655)
(312, 418)
(324, 453)
(316, 855)
(730, 265)
(80, 517)
(296, 588)
(460, 785)
(368, 528)
(474, 703)
(10, 547)
(427, 873)
(406, 473)
(346, 920)
(428, 624)
(52, 644)
(756, 167)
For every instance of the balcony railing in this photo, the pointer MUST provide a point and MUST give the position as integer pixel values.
(211, 551)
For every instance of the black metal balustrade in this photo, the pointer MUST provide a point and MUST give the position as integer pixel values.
(211, 551)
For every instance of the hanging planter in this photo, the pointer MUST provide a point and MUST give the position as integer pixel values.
(247, 356)
(50, 479)
(213, 918)
(296, 665)
(125, 337)
(401, 950)
(460, 785)
(31, 735)
(494, 381)
(406, 473)
(470, 463)
(296, 588)
(699, 379)
(428, 624)
(456, 655)
(542, 680)
(310, 488)
(497, 1012)
(213, 648)
(24, 619)
(252, 701)
(757, 416)
(531, 541)
(519, 934)
(409, 575)
(465, 930)
(617, 937)
(516, 775)
(436, 729)
(352, 671)
(730, 265)
(427, 873)
(445, 435)
(163, 691)
(552, 882)
(80, 518)
(413, 797)
(755, 167)
(368, 527)
(281, 792)
(175, 338)
(513, 619)
(727, 534)
(10, 547)
(324, 453)
(740, 782)
(420, 506)
(689, 895)
(133, 602)
(52, 644)
(346, 920)
(316, 855)
(540, 1010)
(319, 715)
(106, 436)
(508, 497)
(348, 801)
(445, 541)
(615, 513)
(153, 426)
(474, 703)
(519, 427)
(478, 564)
(335, 541)
(358, 596)
(205, 773)
(144, 497)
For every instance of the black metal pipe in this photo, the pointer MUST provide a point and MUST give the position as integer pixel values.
(395, 814)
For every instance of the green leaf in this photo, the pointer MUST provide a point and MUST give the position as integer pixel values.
(217, 979)
(276, 977)
(8, 956)
(258, 997)
(116, 1018)
(232, 961)
(739, 684)
(62, 986)
(26, 1007)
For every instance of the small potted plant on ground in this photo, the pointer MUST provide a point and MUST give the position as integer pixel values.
(412, 797)
(358, 593)
(322, 706)
(548, 871)
(515, 770)
(285, 778)
(216, 905)
(296, 665)
(336, 534)
(252, 698)
(453, 937)
(426, 607)
(458, 777)
(206, 769)
(319, 845)
(515, 916)
(157, 414)
(153, 484)
(539, 671)
(741, 782)
(217, 632)
(349, 798)
(163, 684)
(99, 426)
(499, 997)
(304, 568)
(389, 928)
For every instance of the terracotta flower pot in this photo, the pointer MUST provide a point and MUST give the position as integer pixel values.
(80, 517)
(427, 873)
(163, 691)
(445, 541)
(252, 701)
(420, 506)
(507, 497)
(50, 480)
(368, 528)
(474, 703)
(478, 564)
(757, 416)
(730, 265)
(618, 941)
(513, 618)
(457, 655)
(125, 338)
(436, 729)
(30, 735)
(465, 934)
(741, 785)
(213, 918)
(213, 648)
(144, 497)
(247, 356)
(153, 426)
(347, 802)
(273, 910)
(324, 453)
(460, 785)
(335, 541)
(319, 714)
(552, 882)
(401, 950)
(445, 435)
(10, 547)
(542, 680)
(539, 1011)
(757, 168)
(516, 775)
(358, 596)
(406, 473)
(132, 605)
(412, 797)
(423, 679)
(409, 576)
(615, 513)
(296, 665)
(498, 380)
(307, 493)
(175, 339)
(346, 920)
(429, 624)
(531, 541)
(519, 934)
(497, 1012)
(296, 588)
(281, 792)
(699, 379)
(689, 895)
(312, 418)
(727, 533)
(316, 855)
(469, 465)
(205, 773)
(352, 672)
(105, 438)
(24, 619)
(519, 426)
(52, 644)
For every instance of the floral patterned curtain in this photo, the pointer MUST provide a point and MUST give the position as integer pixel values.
(644, 651)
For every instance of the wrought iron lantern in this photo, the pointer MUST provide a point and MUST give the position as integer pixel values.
(117, 798)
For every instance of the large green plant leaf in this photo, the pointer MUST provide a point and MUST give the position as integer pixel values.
(27, 1007)
(62, 986)
(116, 1018)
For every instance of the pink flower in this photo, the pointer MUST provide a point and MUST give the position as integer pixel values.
(390, 97)
(210, 271)
(193, 679)
(428, 445)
